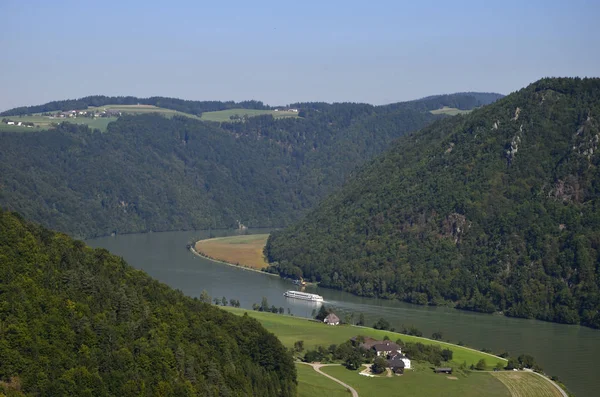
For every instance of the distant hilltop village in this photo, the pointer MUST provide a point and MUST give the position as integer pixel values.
(51, 118)
(82, 113)
(17, 123)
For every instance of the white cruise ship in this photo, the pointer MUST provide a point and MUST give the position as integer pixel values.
(303, 295)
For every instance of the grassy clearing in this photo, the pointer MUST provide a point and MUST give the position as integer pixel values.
(449, 111)
(526, 384)
(143, 109)
(44, 122)
(290, 329)
(101, 123)
(313, 384)
(421, 381)
(239, 250)
(224, 115)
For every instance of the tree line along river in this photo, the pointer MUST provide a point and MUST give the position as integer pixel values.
(568, 351)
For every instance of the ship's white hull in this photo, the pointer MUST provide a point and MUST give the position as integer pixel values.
(303, 296)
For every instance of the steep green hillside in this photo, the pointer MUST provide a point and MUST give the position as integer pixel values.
(75, 321)
(151, 173)
(498, 210)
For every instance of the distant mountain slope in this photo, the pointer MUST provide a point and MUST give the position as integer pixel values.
(498, 210)
(460, 100)
(75, 321)
(149, 173)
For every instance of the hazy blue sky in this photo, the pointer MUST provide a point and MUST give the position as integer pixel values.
(279, 52)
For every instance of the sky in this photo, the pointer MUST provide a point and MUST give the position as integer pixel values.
(282, 52)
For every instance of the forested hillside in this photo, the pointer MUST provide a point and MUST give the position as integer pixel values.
(149, 173)
(76, 321)
(498, 210)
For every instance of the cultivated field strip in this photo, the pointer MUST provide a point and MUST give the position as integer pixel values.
(525, 384)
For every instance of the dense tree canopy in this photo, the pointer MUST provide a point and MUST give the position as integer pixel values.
(76, 321)
(150, 173)
(498, 210)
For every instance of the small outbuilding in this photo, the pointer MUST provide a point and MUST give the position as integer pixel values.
(443, 370)
(332, 319)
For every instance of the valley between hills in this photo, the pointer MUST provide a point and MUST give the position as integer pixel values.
(475, 201)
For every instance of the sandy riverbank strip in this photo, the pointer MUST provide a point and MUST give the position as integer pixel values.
(193, 250)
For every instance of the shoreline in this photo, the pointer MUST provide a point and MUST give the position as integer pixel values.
(193, 250)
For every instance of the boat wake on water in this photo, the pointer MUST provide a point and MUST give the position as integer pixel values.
(303, 296)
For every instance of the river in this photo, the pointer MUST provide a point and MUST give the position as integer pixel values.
(568, 351)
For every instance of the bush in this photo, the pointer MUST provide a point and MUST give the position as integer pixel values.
(312, 356)
(379, 365)
(353, 361)
(526, 360)
(481, 365)
(382, 323)
(299, 345)
(447, 355)
(511, 364)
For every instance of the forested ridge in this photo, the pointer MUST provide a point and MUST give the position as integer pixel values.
(150, 173)
(76, 321)
(463, 100)
(498, 210)
(180, 105)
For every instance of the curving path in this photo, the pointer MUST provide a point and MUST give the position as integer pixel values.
(317, 367)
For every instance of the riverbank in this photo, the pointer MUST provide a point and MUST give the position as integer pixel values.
(193, 250)
(290, 329)
(420, 380)
(244, 250)
(161, 255)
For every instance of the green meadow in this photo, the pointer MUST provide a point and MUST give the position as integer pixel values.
(290, 329)
(101, 123)
(225, 115)
(142, 109)
(43, 122)
(313, 384)
(420, 382)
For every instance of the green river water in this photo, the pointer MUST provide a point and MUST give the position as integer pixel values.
(567, 351)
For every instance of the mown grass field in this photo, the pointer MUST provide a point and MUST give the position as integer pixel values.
(313, 384)
(44, 122)
(449, 111)
(142, 109)
(225, 115)
(290, 329)
(526, 384)
(101, 123)
(421, 382)
(239, 250)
